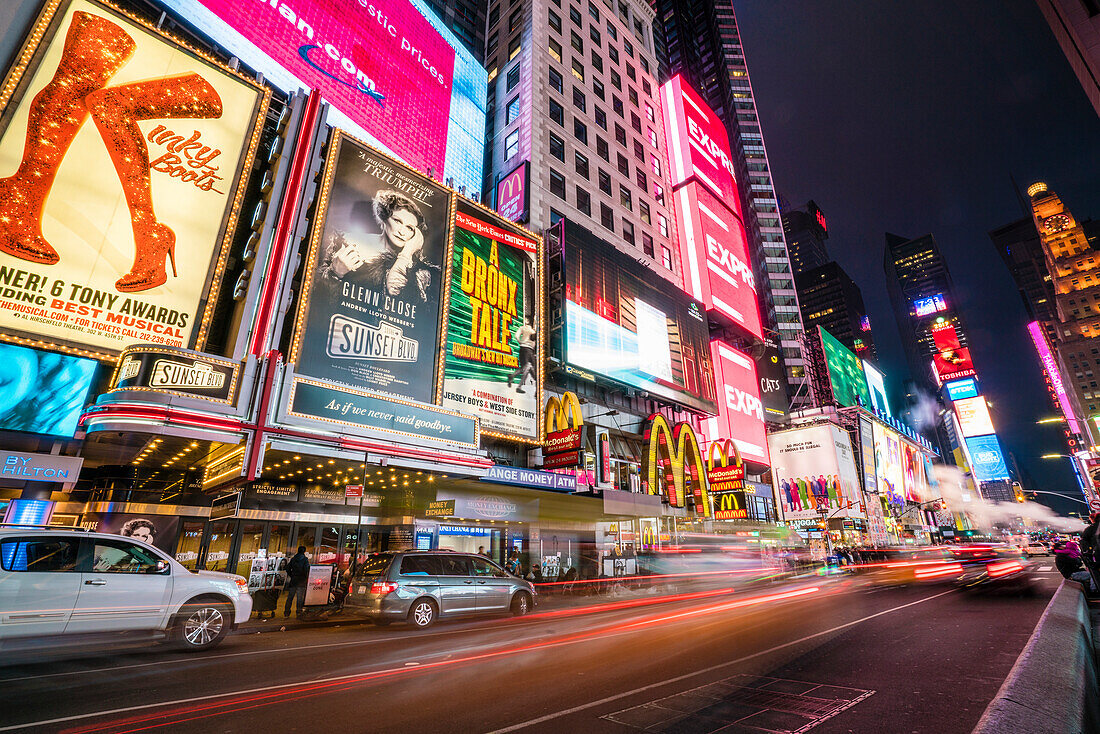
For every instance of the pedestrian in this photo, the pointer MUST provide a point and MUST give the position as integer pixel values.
(1067, 557)
(512, 566)
(1088, 548)
(297, 572)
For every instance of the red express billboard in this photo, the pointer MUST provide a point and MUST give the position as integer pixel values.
(740, 411)
(713, 249)
(697, 143)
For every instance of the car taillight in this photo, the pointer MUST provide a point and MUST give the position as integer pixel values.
(242, 583)
(383, 587)
(1003, 569)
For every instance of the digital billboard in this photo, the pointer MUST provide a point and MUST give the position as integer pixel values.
(986, 459)
(369, 313)
(814, 468)
(961, 389)
(392, 71)
(772, 374)
(42, 392)
(876, 386)
(514, 193)
(973, 416)
(849, 384)
(930, 305)
(627, 325)
(121, 159)
(888, 464)
(493, 365)
(953, 364)
(740, 411)
(698, 146)
(1050, 365)
(715, 257)
(944, 335)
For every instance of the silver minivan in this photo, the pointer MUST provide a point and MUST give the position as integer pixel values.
(422, 586)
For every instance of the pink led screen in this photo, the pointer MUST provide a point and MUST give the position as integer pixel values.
(740, 412)
(381, 63)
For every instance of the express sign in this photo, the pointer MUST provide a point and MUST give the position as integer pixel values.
(740, 411)
(697, 142)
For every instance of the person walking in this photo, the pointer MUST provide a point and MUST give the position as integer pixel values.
(297, 572)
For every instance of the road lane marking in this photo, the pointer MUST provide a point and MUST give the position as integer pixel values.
(711, 669)
(1044, 568)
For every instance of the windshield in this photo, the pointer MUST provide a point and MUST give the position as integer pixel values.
(375, 565)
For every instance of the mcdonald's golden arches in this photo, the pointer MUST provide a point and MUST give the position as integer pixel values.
(678, 448)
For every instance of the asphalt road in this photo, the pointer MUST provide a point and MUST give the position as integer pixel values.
(831, 655)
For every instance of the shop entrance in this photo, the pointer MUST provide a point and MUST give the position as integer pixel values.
(467, 539)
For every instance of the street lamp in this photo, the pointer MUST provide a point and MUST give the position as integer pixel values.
(1052, 419)
(1056, 494)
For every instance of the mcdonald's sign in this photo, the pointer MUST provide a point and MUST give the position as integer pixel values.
(722, 475)
(564, 430)
(672, 462)
(730, 506)
(512, 194)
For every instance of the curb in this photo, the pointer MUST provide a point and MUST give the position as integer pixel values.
(256, 627)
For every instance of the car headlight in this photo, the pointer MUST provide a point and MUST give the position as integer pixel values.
(242, 584)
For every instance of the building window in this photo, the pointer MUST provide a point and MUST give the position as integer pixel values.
(597, 62)
(556, 81)
(494, 16)
(557, 112)
(612, 32)
(555, 216)
(652, 136)
(628, 48)
(580, 163)
(557, 184)
(607, 217)
(513, 77)
(580, 131)
(515, 19)
(646, 86)
(614, 54)
(511, 144)
(576, 41)
(555, 21)
(491, 45)
(601, 118)
(594, 12)
(578, 70)
(640, 179)
(666, 257)
(594, 35)
(511, 113)
(602, 150)
(623, 164)
(635, 122)
(643, 211)
(584, 201)
(639, 152)
(620, 134)
(605, 181)
(557, 147)
(632, 93)
(628, 232)
(579, 101)
(617, 105)
(575, 16)
(631, 74)
(649, 112)
(597, 88)
(645, 66)
(662, 224)
(659, 193)
(555, 50)
(647, 244)
(625, 198)
(514, 47)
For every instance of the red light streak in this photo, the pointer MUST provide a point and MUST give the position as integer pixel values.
(949, 569)
(1004, 568)
(653, 577)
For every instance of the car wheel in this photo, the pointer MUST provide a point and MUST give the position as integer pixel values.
(521, 604)
(202, 625)
(423, 614)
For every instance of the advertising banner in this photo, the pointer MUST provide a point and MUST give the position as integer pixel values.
(961, 389)
(388, 67)
(494, 357)
(42, 392)
(867, 454)
(715, 257)
(740, 411)
(876, 386)
(1050, 366)
(987, 459)
(177, 372)
(634, 329)
(953, 364)
(944, 335)
(930, 305)
(814, 468)
(121, 156)
(846, 377)
(156, 530)
(974, 417)
(772, 374)
(513, 193)
(369, 315)
(39, 467)
(697, 143)
(888, 468)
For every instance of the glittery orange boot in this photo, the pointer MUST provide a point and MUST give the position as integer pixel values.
(116, 111)
(94, 50)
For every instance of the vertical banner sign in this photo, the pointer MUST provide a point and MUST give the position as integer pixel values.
(513, 194)
(370, 312)
(122, 155)
(603, 460)
(493, 367)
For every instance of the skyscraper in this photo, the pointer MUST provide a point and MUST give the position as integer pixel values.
(806, 232)
(1019, 246)
(1076, 25)
(466, 18)
(830, 298)
(700, 41)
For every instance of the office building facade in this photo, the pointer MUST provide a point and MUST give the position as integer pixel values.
(1076, 25)
(806, 231)
(829, 298)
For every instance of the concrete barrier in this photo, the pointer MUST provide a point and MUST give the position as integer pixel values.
(1052, 688)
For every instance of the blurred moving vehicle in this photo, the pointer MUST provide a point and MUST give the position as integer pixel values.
(900, 566)
(993, 567)
(420, 587)
(65, 587)
(1036, 549)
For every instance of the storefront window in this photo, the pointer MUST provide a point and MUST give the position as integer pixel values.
(252, 537)
(189, 544)
(329, 549)
(277, 544)
(307, 536)
(217, 556)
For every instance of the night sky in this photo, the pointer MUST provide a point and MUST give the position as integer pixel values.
(910, 118)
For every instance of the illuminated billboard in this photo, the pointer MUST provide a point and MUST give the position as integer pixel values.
(953, 364)
(42, 392)
(930, 305)
(986, 459)
(625, 324)
(514, 193)
(973, 416)
(846, 377)
(1050, 365)
(369, 312)
(888, 464)
(740, 410)
(393, 73)
(698, 146)
(772, 375)
(944, 335)
(876, 387)
(715, 257)
(814, 470)
(122, 157)
(493, 366)
(961, 389)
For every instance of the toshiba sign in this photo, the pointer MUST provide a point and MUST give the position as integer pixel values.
(740, 411)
